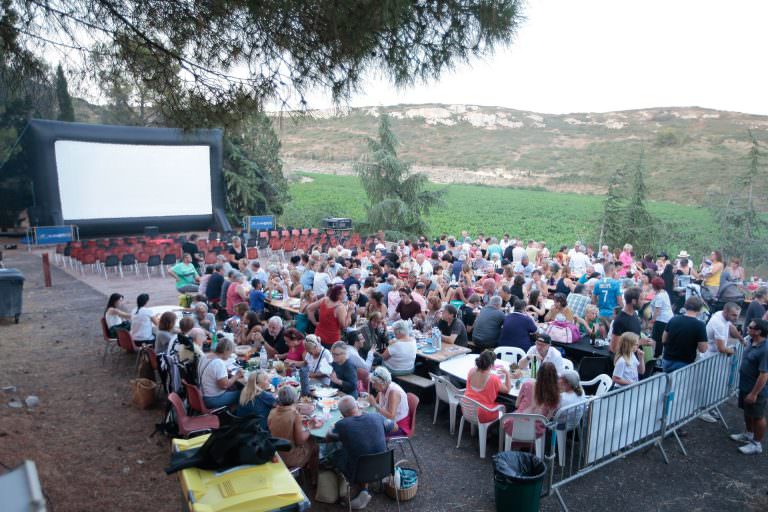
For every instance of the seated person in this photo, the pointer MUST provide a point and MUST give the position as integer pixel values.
(390, 400)
(186, 275)
(543, 352)
(355, 344)
(257, 297)
(212, 375)
(541, 396)
(487, 328)
(255, 398)
(400, 355)
(114, 315)
(294, 340)
(484, 386)
(560, 307)
(165, 334)
(571, 393)
(344, 374)
(407, 308)
(518, 327)
(360, 434)
(285, 423)
(374, 334)
(142, 322)
(274, 335)
(451, 328)
(203, 318)
(317, 359)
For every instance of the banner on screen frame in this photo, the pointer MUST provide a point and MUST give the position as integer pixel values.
(256, 223)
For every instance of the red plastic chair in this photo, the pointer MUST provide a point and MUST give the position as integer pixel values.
(125, 341)
(191, 425)
(413, 404)
(196, 402)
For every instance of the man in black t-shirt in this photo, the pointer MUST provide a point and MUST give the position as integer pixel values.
(190, 247)
(628, 321)
(683, 336)
(451, 328)
(213, 288)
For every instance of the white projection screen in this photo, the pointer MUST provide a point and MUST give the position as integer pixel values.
(107, 180)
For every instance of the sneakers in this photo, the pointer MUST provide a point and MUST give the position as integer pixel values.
(361, 501)
(744, 437)
(708, 418)
(753, 448)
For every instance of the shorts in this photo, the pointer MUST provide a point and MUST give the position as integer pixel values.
(755, 410)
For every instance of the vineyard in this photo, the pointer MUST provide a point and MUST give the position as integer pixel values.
(558, 218)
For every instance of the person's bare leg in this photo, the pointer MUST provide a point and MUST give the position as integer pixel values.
(758, 428)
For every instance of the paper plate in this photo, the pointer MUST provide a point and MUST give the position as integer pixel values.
(428, 350)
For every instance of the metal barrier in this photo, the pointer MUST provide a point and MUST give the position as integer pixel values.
(585, 437)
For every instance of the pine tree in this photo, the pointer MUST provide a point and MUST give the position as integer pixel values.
(639, 225)
(66, 110)
(397, 198)
(742, 227)
(612, 232)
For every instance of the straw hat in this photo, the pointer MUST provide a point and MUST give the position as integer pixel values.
(683, 254)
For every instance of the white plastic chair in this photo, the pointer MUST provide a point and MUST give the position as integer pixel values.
(523, 431)
(567, 421)
(603, 381)
(567, 364)
(510, 354)
(469, 410)
(448, 393)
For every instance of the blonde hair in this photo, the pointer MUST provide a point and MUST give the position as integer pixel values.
(591, 308)
(627, 343)
(252, 388)
(311, 341)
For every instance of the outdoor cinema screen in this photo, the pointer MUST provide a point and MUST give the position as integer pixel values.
(99, 180)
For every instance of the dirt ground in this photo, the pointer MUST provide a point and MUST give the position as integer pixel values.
(93, 449)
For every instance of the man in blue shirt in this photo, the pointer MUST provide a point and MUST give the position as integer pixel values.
(753, 392)
(360, 434)
(307, 279)
(607, 293)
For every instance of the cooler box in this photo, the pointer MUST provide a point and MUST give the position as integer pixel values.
(11, 285)
(244, 488)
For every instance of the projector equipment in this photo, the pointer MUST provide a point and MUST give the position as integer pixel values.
(337, 223)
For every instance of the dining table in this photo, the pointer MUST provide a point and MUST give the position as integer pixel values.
(458, 368)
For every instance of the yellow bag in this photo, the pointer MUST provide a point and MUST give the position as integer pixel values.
(144, 393)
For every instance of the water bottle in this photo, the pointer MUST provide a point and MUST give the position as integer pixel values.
(214, 340)
(436, 338)
(304, 380)
(263, 360)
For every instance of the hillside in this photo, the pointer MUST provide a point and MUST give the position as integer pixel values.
(688, 151)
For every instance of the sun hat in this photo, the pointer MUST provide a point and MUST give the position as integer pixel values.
(683, 254)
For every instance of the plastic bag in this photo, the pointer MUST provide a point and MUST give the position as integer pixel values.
(518, 466)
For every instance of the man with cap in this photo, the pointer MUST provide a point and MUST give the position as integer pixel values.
(543, 352)
(753, 391)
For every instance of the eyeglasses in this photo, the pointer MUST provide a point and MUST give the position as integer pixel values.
(337, 354)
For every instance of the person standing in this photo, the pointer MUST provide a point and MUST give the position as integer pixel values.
(607, 294)
(753, 392)
(627, 320)
(661, 309)
(756, 308)
(683, 336)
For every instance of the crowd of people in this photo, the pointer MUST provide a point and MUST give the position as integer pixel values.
(483, 291)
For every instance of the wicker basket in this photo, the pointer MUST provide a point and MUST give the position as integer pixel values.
(404, 494)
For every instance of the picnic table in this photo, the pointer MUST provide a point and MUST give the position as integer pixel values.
(335, 416)
(458, 367)
(447, 351)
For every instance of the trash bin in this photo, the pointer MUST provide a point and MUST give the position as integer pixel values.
(518, 477)
(11, 284)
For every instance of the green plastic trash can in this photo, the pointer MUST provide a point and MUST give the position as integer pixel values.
(518, 477)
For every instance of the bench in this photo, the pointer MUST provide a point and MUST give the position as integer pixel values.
(415, 380)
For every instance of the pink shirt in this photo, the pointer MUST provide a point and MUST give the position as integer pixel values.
(626, 261)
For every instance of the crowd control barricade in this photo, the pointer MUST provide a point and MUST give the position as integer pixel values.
(584, 437)
(587, 436)
(701, 387)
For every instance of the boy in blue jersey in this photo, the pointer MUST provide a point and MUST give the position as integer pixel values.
(607, 294)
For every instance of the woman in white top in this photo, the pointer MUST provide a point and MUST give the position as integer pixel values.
(115, 317)
(661, 309)
(390, 401)
(142, 322)
(400, 356)
(322, 281)
(571, 393)
(317, 359)
(543, 352)
(630, 361)
(214, 379)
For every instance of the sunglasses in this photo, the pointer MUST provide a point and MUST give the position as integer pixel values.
(752, 327)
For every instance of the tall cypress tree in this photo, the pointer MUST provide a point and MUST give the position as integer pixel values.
(66, 110)
(640, 226)
(612, 231)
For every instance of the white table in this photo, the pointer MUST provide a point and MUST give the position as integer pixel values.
(459, 367)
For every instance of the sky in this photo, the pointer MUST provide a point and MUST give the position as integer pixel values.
(603, 55)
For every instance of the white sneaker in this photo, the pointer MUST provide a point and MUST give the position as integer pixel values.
(744, 437)
(361, 500)
(753, 448)
(708, 418)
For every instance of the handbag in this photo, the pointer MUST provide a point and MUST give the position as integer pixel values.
(327, 487)
(562, 332)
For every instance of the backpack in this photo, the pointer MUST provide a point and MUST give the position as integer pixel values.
(244, 441)
(562, 332)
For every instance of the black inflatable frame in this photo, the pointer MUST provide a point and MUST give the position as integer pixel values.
(39, 144)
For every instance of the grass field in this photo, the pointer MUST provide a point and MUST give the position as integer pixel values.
(555, 217)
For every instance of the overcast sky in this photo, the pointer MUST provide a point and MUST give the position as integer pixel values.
(605, 55)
